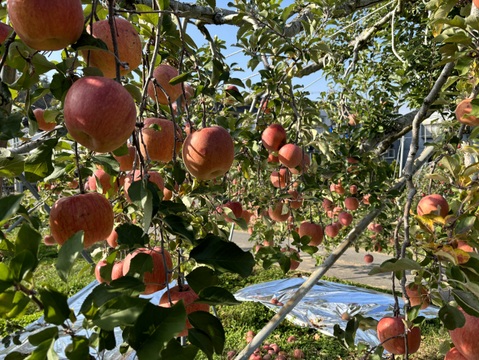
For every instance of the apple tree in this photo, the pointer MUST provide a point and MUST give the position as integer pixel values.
(142, 148)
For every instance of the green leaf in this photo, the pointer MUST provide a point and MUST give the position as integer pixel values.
(43, 335)
(131, 235)
(39, 163)
(142, 196)
(164, 4)
(119, 311)
(89, 42)
(79, 349)
(211, 3)
(451, 317)
(107, 340)
(178, 225)
(56, 310)
(67, 255)
(215, 295)
(223, 255)
(174, 350)
(211, 330)
(466, 300)
(9, 205)
(394, 265)
(6, 277)
(154, 328)
(28, 239)
(11, 165)
(464, 224)
(43, 351)
(21, 263)
(201, 277)
(13, 304)
(10, 125)
(180, 78)
(60, 85)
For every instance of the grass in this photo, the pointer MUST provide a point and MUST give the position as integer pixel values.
(237, 320)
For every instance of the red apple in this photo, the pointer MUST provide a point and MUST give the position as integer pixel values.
(315, 231)
(351, 203)
(327, 205)
(188, 295)
(417, 295)
(153, 176)
(279, 212)
(235, 207)
(295, 201)
(208, 152)
(303, 165)
(353, 189)
(42, 124)
(290, 155)
(160, 89)
(98, 266)
(374, 227)
(104, 179)
(90, 212)
(393, 328)
(47, 24)
(129, 47)
(99, 113)
(272, 158)
(345, 218)
(49, 240)
(454, 354)
(368, 258)
(126, 161)
(464, 338)
(463, 109)
(112, 239)
(161, 274)
(463, 245)
(273, 137)
(280, 178)
(433, 204)
(158, 139)
(331, 230)
(117, 270)
(5, 31)
(293, 254)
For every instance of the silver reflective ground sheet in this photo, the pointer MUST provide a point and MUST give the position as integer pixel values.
(324, 304)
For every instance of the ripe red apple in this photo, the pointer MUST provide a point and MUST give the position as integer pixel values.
(208, 152)
(49, 240)
(128, 42)
(345, 218)
(315, 231)
(331, 230)
(463, 245)
(98, 266)
(295, 201)
(290, 155)
(368, 258)
(153, 176)
(47, 24)
(392, 328)
(162, 74)
(236, 208)
(112, 239)
(99, 113)
(280, 178)
(464, 338)
(117, 270)
(351, 203)
(158, 139)
(102, 177)
(188, 295)
(273, 137)
(433, 204)
(161, 274)
(279, 212)
(352, 119)
(272, 158)
(327, 205)
(126, 161)
(463, 109)
(417, 295)
(366, 199)
(454, 354)
(90, 212)
(374, 227)
(42, 123)
(5, 31)
(290, 252)
(303, 165)
(353, 189)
